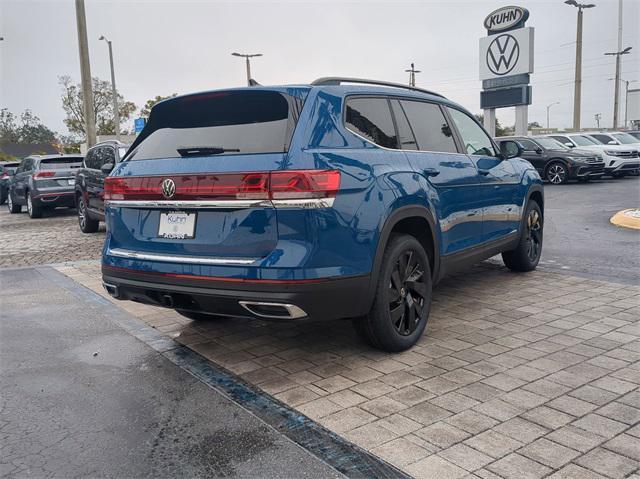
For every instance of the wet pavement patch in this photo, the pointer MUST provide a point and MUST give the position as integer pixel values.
(342, 455)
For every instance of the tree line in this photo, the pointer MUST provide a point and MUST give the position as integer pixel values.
(28, 128)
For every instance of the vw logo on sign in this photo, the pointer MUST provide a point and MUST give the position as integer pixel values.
(168, 188)
(503, 54)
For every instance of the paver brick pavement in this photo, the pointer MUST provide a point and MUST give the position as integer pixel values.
(534, 374)
(503, 383)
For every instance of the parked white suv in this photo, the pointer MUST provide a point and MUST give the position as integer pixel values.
(618, 160)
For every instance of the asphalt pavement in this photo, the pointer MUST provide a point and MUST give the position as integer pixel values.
(83, 397)
(578, 237)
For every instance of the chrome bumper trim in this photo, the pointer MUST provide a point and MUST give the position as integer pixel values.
(303, 203)
(189, 204)
(123, 253)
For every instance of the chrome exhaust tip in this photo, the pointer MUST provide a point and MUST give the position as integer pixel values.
(112, 289)
(273, 310)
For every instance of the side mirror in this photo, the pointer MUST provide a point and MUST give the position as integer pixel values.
(569, 144)
(539, 151)
(510, 149)
(612, 142)
(107, 168)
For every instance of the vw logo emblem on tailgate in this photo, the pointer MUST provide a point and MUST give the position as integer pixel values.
(503, 54)
(168, 188)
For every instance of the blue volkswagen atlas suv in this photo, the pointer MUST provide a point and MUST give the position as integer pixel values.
(344, 198)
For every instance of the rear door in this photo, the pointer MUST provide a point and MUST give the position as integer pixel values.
(499, 180)
(454, 176)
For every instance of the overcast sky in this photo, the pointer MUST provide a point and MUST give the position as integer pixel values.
(162, 47)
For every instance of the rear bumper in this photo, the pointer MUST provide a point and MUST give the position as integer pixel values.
(55, 198)
(323, 299)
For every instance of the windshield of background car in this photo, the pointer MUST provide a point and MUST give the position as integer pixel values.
(551, 144)
(58, 163)
(625, 138)
(219, 123)
(581, 140)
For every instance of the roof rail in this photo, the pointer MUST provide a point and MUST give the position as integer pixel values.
(340, 80)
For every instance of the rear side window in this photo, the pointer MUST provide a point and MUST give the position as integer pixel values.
(527, 144)
(405, 133)
(219, 123)
(57, 163)
(371, 118)
(92, 160)
(429, 126)
(604, 139)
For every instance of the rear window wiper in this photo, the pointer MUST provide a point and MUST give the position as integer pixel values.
(204, 150)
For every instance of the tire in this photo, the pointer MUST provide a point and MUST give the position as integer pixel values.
(196, 316)
(402, 300)
(86, 223)
(33, 207)
(3, 199)
(11, 206)
(527, 255)
(557, 173)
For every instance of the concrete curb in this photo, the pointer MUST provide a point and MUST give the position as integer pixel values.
(627, 218)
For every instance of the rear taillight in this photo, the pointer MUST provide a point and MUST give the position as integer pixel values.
(44, 174)
(4, 176)
(288, 184)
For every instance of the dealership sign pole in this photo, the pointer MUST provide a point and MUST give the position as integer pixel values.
(506, 62)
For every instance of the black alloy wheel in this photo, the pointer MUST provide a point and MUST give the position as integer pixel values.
(402, 300)
(526, 255)
(534, 235)
(407, 293)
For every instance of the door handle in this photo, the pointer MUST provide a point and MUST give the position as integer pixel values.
(431, 172)
(483, 172)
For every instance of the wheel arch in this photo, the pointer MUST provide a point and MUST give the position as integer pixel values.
(408, 220)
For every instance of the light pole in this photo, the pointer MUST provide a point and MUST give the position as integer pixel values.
(85, 74)
(116, 113)
(577, 93)
(597, 116)
(412, 75)
(617, 54)
(246, 57)
(548, 107)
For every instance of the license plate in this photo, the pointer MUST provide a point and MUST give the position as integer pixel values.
(177, 225)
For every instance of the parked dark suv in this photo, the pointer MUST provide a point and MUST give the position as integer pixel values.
(7, 170)
(89, 183)
(555, 162)
(43, 182)
(320, 201)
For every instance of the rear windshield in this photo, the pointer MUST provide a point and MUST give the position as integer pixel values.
(57, 163)
(220, 123)
(10, 168)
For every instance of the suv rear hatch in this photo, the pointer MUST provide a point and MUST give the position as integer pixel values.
(192, 188)
(57, 173)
